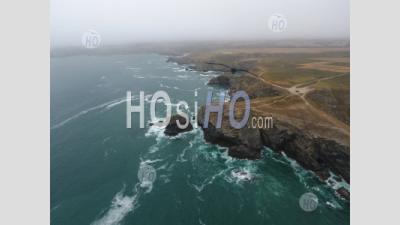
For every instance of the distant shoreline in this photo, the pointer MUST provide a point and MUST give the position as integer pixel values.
(179, 48)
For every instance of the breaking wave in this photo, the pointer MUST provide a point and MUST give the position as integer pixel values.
(120, 206)
(107, 105)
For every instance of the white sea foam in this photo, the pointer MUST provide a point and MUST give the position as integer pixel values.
(333, 204)
(332, 182)
(201, 222)
(208, 181)
(299, 171)
(107, 105)
(83, 112)
(164, 86)
(179, 69)
(243, 174)
(121, 205)
(165, 178)
(55, 207)
(138, 76)
(149, 161)
(183, 76)
(147, 98)
(205, 75)
(181, 157)
(108, 152)
(133, 68)
(155, 131)
(111, 105)
(153, 149)
(147, 185)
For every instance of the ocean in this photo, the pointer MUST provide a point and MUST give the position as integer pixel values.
(95, 160)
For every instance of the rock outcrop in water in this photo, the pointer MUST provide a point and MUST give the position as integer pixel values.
(172, 128)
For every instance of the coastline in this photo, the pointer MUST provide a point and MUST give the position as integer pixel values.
(327, 157)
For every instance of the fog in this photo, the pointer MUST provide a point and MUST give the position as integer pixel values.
(130, 21)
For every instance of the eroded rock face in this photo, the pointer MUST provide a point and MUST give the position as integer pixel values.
(317, 154)
(172, 128)
(344, 193)
(244, 152)
(242, 143)
(222, 80)
(319, 147)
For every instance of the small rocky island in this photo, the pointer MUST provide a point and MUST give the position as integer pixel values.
(172, 128)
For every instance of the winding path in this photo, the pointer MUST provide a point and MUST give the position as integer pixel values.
(300, 90)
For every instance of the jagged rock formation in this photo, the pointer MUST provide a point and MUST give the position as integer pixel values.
(222, 80)
(314, 153)
(344, 193)
(318, 154)
(301, 129)
(172, 128)
(242, 143)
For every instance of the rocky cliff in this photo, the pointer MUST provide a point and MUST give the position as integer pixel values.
(316, 140)
(314, 153)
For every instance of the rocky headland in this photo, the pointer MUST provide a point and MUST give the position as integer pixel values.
(313, 137)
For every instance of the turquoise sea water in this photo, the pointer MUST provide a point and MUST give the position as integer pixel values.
(95, 159)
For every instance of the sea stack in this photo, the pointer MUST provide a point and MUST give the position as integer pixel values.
(172, 128)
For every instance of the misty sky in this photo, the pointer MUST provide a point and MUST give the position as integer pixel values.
(127, 21)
